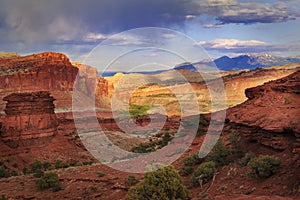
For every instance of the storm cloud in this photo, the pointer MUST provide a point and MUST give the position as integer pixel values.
(55, 21)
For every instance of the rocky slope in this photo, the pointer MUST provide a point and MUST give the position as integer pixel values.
(47, 72)
(273, 111)
(29, 118)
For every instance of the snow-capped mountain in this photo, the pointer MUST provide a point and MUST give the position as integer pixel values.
(247, 61)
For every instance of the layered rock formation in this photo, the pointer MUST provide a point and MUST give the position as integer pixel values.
(235, 84)
(29, 116)
(271, 113)
(45, 72)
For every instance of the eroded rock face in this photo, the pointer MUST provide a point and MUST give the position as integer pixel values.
(273, 110)
(46, 71)
(29, 117)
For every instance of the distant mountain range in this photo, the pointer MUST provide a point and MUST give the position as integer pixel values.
(225, 63)
(248, 61)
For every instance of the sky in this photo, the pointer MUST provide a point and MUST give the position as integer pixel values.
(81, 29)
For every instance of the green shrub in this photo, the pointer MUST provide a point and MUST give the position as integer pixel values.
(219, 154)
(36, 165)
(3, 197)
(87, 162)
(202, 123)
(60, 164)
(287, 100)
(100, 174)
(46, 165)
(164, 183)
(25, 170)
(14, 173)
(186, 170)
(205, 172)
(15, 165)
(38, 173)
(138, 110)
(192, 160)
(93, 188)
(245, 160)
(3, 172)
(235, 141)
(263, 166)
(131, 180)
(49, 180)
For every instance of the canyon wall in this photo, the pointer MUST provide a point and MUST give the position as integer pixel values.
(47, 71)
(29, 116)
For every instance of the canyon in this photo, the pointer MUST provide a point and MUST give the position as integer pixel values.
(37, 124)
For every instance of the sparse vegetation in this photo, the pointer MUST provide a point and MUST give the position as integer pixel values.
(192, 160)
(49, 180)
(202, 123)
(15, 165)
(60, 164)
(100, 174)
(204, 173)
(219, 154)
(154, 145)
(138, 110)
(263, 166)
(131, 180)
(3, 172)
(287, 100)
(164, 183)
(245, 160)
(14, 173)
(93, 188)
(236, 147)
(186, 170)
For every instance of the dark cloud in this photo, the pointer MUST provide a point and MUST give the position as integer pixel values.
(248, 13)
(32, 21)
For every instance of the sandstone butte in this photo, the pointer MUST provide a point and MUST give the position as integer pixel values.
(51, 72)
(29, 119)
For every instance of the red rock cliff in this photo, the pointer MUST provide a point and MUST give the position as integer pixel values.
(28, 116)
(44, 72)
(273, 108)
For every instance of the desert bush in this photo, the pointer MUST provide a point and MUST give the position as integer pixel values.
(186, 170)
(36, 165)
(38, 173)
(205, 172)
(202, 123)
(236, 146)
(287, 100)
(3, 172)
(14, 173)
(49, 180)
(15, 165)
(192, 160)
(60, 164)
(164, 183)
(131, 180)
(47, 165)
(100, 174)
(219, 154)
(25, 170)
(263, 166)
(245, 160)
